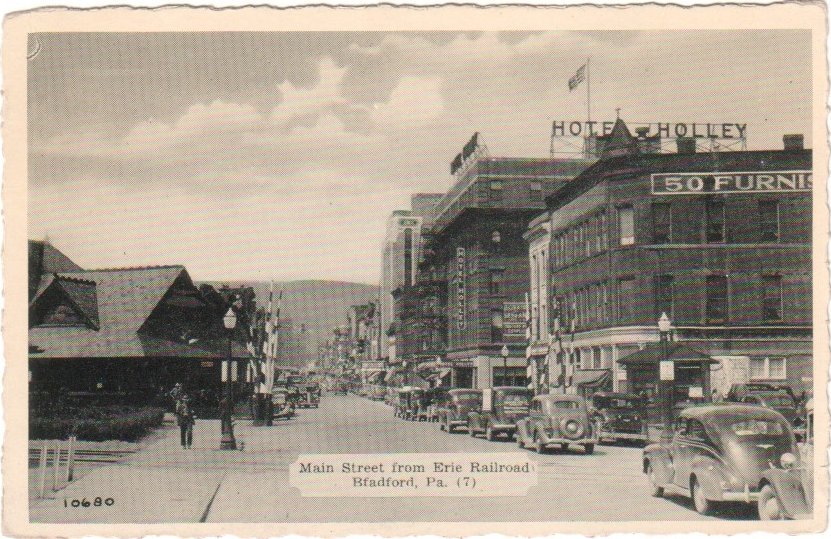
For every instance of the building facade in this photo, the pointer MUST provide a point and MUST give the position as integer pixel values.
(720, 242)
(402, 243)
(479, 246)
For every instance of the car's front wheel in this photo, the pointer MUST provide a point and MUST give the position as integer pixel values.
(657, 490)
(700, 501)
(769, 507)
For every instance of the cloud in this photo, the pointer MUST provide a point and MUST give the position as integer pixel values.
(415, 102)
(298, 101)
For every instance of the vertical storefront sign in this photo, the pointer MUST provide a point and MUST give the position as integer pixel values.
(461, 300)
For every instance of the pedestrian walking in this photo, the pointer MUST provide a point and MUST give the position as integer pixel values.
(185, 418)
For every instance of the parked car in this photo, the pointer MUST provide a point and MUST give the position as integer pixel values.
(738, 391)
(454, 409)
(719, 453)
(775, 400)
(501, 408)
(427, 404)
(787, 492)
(309, 395)
(618, 416)
(283, 406)
(557, 419)
(339, 388)
(408, 400)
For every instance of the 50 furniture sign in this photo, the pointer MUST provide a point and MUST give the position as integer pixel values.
(708, 183)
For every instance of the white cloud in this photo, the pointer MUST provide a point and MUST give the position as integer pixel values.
(298, 101)
(414, 102)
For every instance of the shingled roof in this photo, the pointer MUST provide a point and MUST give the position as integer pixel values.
(123, 301)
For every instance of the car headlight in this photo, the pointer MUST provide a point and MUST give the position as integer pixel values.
(787, 461)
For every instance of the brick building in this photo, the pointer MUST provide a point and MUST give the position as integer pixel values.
(721, 242)
(480, 252)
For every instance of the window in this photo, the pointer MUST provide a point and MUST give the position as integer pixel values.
(664, 301)
(768, 368)
(597, 358)
(772, 298)
(408, 257)
(769, 220)
(716, 308)
(661, 222)
(626, 224)
(497, 278)
(626, 299)
(510, 376)
(714, 219)
(536, 191)
(497, 324)
(496, 190)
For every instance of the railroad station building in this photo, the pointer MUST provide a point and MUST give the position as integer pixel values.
(479, 252)
(719, 241)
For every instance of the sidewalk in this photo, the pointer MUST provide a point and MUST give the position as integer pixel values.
(159, 484)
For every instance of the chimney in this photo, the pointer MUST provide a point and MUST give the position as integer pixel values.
(686, 145)
(793, 142)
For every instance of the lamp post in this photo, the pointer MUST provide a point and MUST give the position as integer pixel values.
(666, 375)
(505, 353)
(228, 441)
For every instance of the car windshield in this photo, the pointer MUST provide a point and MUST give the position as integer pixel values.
(515, 399)
(777, 400)
(615, 402)
(755, 427)
(467, 397)
(566, 405)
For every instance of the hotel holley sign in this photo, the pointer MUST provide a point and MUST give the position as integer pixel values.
(713, 183)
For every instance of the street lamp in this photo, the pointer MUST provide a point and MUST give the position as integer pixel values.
(505, 352)
(666, 376)
(228, 440)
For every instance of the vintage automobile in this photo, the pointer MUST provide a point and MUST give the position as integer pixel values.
(618, 416)
(501, 408)
(718, 453)
(780, 401)
(557, 419)
(427, 410)
(339, 388)
(309, 395)
(407, 405)
(455, 407)
(787, 492)
(283, 406)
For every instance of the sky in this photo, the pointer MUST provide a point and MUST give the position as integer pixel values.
(258, 156)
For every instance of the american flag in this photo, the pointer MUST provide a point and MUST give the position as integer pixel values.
(578, 77)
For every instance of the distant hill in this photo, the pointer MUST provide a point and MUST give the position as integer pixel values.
(318, 306)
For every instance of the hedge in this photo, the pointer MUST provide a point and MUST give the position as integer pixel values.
(97, 424)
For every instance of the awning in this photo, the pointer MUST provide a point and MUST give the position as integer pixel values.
(443, 373)
(427, 366)
(590, 378)
(676, 352)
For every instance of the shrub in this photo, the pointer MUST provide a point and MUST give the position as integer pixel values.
(97, 424)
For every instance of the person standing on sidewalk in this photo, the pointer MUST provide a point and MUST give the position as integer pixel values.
(185, 418)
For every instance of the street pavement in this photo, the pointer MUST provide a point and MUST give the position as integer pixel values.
(165, 483)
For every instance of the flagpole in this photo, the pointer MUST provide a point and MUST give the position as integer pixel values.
(588, 88)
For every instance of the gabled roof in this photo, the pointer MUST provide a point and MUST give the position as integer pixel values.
(80, 293)
(125, 299)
